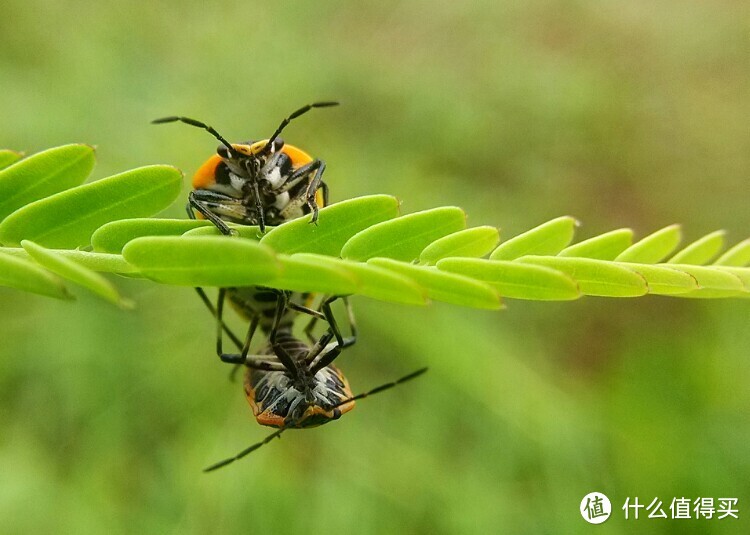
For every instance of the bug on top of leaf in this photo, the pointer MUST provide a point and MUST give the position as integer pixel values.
(289, 383)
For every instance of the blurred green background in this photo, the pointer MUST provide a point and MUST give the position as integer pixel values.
(619, 113)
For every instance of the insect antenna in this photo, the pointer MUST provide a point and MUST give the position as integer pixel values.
(381, 388)
(285, 122)
(244, 452)
(198, 124)
(278, 433)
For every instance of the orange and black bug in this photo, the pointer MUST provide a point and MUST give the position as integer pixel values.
(257, 183)
(310, 393)
(291, 384)
(320, 412)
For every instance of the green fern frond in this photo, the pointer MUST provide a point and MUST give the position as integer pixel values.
(359, 246)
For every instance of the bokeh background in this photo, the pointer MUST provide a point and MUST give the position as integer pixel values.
(619, 113)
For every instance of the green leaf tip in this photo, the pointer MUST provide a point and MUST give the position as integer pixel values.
(104, 262)
(375, 282)
(596, 277)
(516, 279)
(713, 281)
(9, 157)
(28, 276)
(471, 243)
(112, 237)
(405, 237)
(43, 174)
(603, 247)
(336, 224)
(701, 251)
(547, 239)
(741, 273)
(653, 248)
(75, 272)
(444, 286)
(662, 279)
(737, 256)
(203, 260)
(69, 218)
(302, 273)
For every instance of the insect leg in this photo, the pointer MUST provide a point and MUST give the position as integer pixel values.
(281, 353)
(327, 314)
(315, 168)
(327, 355)
(312, 187)
(259, 208)
(324, 187)
(228, 357)
(235, 339)
(202, 200)
(325, 307)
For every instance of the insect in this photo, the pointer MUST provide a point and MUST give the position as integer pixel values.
(260, 183)
(304, 390)
(289, 384)
(293, 385)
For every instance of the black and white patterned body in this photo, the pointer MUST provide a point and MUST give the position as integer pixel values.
(313, 398)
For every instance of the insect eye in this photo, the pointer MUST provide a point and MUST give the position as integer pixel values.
(278, 143)
(222, 151)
